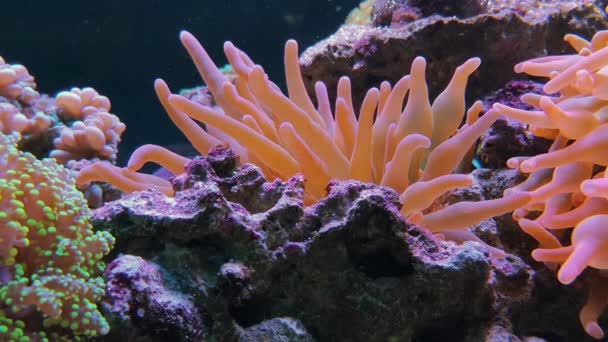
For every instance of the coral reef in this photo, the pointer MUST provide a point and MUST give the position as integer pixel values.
(346, 208)
(50, 258)
(325, 164)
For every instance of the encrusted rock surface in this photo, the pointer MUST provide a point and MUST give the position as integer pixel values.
(504, 33)
(276, 329)
(246, 257)
(136, 295)
(508, 138)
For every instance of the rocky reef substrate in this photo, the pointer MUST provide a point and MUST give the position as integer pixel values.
(234, 257)
(447, 33)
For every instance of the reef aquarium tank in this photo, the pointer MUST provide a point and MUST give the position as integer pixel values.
(323, 170)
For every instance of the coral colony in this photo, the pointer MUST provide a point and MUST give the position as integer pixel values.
(409, 146)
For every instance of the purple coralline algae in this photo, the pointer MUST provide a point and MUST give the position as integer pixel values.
(242, 256)
(501, 32)
(136, 294)
(509, 138)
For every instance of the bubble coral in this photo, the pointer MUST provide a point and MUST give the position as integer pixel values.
(17, 87)
(561, 182)
(94, 132)
(50, 258)
(77, 121)
(16, 82)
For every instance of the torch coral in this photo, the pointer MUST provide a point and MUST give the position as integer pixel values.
(283, 135)
(50, 258)
(561, 181)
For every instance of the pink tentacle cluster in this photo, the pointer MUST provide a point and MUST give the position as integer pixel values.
(562, 182)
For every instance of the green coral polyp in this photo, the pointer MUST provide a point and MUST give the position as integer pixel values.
(48, 246)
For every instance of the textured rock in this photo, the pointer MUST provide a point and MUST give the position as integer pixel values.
(277, 329)
(247, 253)
(513, 31)
(508, 138)
(137, 298)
